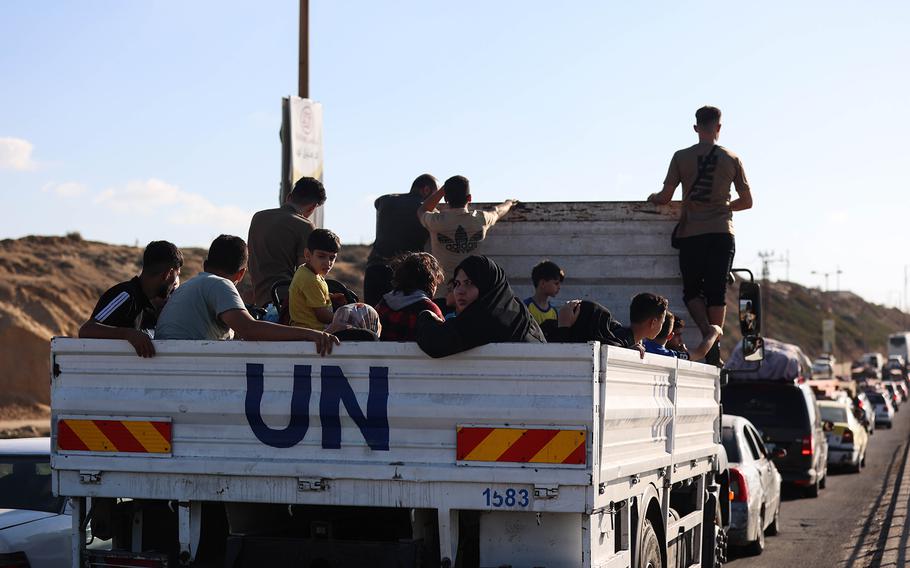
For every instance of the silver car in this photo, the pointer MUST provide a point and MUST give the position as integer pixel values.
(35, 526)
(884, 412)
(754, 483)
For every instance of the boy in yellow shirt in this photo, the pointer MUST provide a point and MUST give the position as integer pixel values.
(547, 278)
(310, 302)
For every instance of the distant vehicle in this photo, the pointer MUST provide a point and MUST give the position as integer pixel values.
(823, 368)
(874, 360)
(884, 411)
(894, 393)
(899, 344)
(863, 405)
(35, 526)
(848, 441)
(786, 414)
(754, 482)
(828, 357)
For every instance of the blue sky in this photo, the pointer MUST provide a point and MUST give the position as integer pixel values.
(132, 121)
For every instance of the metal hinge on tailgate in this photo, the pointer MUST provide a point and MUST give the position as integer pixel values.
(90, 477)
(546, 491)
(308, 484)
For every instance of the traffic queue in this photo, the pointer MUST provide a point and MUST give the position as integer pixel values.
(791, 420)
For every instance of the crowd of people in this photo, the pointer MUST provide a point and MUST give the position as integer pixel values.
(423, 283)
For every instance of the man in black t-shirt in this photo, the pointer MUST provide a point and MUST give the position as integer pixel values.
(398, 231)
(130, 309)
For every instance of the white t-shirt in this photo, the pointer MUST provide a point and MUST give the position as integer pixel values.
(193, 310)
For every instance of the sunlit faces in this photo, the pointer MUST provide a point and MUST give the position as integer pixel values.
(464, 290)
(320, 261)
(654, 325)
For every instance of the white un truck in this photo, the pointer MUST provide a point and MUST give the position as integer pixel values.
(523, 455)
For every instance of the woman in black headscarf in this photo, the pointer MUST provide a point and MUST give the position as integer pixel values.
(487, 311)
(581, 321)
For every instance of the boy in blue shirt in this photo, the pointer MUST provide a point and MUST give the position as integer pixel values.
(547, 278)
(658, 345)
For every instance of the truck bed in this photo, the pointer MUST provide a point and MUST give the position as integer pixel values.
(376, 424)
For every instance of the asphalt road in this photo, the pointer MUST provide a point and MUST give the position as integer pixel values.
(858, 521)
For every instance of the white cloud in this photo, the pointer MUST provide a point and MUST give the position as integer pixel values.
(66, 189)
(16, 154)
(173, 205)
(838, 217)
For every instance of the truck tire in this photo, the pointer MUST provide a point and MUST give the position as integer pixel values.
(714, 537)
(649, 554)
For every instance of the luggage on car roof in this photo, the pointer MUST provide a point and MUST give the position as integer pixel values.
(782, 361)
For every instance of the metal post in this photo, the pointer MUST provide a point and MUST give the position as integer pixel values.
(303, 66)
(77, 507)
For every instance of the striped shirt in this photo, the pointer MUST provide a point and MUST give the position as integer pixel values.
(125, 305)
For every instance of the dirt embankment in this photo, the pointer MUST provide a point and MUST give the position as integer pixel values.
(48, 287)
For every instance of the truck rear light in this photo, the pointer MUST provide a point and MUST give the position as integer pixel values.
(121, 559)
(808, 446)
(847, 437)
(14, 560)
(738, 486)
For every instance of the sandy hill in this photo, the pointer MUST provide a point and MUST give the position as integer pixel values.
(48, 287)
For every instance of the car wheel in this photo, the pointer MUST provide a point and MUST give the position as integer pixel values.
(812, 490)
(756, 547)
(774, 528)
(650, 548)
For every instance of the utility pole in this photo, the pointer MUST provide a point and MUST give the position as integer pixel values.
(303, 66)
(826, 275)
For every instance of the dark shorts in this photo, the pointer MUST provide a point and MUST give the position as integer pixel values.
(705, 261)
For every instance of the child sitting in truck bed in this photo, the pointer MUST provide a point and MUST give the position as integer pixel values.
(547, 278)
(658, 345)
(416, 277)
(308, 296)
(487, 312)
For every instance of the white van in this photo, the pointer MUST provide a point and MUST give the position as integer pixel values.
(899, 344)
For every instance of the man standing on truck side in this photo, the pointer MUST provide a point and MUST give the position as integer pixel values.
(397, 233)
(278, 236)
(456, 231)
(127, 311)
(704, 235)
(208, 305)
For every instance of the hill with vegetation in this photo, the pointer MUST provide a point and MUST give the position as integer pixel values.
(794, 313)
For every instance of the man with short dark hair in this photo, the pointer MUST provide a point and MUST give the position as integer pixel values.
(127, 311)
(456, 231)
(397, 233)
(705, 231)
(278, 236)
(208, 306)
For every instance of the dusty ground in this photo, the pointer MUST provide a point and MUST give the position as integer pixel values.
(48, 287)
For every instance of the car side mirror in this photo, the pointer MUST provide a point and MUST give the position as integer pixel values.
(827, 425)
(749, 308)
(753, 348)
(779, 453)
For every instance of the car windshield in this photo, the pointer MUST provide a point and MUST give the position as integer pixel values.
(728, 437)
(25, 483)
(767, 407)
(833, 413)
(876, 398)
